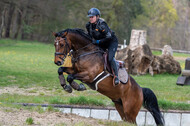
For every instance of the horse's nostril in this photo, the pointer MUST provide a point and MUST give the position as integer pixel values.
(58, 63)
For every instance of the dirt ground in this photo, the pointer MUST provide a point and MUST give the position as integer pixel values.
(18, 117)
(180, 58)
(22, 91)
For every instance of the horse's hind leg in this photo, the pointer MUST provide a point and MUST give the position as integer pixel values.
(131, 108)
(119, 108)
(130, 112)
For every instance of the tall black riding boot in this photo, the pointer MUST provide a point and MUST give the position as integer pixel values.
(114, 67)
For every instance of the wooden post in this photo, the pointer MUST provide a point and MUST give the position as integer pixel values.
(185, 78)
(187, 64)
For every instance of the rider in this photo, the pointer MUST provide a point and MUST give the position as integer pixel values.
(103, 37)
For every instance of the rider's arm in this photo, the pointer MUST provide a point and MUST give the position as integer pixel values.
(106, 32)
(88, 27)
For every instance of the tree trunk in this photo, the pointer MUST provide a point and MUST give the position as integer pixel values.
(2, 22)
(25, 20)
(19, 22)
(10, 15)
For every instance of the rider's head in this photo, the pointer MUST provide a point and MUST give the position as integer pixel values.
(93, 15)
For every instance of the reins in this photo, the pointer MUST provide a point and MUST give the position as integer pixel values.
(85, 54)
(74, 59)
(75, 53)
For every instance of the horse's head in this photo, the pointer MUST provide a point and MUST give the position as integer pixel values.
(75, 37)
(62, 48)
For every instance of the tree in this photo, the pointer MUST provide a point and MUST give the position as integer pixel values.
(158, 18)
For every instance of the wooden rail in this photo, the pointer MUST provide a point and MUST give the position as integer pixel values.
(121, 46)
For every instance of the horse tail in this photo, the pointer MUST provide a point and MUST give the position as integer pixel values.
(151, 104)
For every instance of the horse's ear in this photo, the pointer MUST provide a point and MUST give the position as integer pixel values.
(59, 34)
(53, 33)
(64, 34)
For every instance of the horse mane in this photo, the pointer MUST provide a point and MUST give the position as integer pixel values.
(78, 31)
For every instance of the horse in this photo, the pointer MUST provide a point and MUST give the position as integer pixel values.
(88, 65)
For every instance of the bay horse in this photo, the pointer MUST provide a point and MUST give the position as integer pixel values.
(88, 64)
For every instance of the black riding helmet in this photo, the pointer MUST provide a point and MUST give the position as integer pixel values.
(93, 12)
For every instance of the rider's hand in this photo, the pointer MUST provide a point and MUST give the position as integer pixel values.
(96, 42)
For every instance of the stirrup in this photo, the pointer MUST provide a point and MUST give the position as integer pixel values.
(81, 87)
(67, 88)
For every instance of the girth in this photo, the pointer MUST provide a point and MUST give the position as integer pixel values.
(98, 79)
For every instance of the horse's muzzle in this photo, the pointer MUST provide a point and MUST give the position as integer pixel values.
(58, 63)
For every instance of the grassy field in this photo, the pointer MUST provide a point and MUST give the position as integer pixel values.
(30, 66)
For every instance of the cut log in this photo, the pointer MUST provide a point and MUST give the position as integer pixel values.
(165, 64)
(137, 61)
(138, 37)
(141, 61)
(167, 50)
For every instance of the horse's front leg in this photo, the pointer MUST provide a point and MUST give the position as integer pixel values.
(77, 76)
(73, 84)
(66, 87)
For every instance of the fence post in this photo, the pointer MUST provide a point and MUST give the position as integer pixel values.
(124, 45)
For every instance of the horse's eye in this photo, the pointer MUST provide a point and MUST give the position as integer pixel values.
(61, 45)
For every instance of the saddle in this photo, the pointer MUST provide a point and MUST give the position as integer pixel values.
(122, 73)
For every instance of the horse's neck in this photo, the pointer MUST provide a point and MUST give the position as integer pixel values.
(80, 43)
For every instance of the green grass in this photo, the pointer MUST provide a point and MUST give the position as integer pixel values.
(164, 86)
(158, 53)
(85, 101)
(29, 121)
(27, 64)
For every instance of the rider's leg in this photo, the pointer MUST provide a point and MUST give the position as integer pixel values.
(66, 87)
(112, 50)
(114, 67)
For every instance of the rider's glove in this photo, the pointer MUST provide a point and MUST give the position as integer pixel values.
(96, 42)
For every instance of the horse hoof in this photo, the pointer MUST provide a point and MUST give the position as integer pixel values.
(81, 87)
(68, 88)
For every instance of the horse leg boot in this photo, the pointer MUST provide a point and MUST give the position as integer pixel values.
(66, 87)
(74, 85)
(115, 72)
(77, 87)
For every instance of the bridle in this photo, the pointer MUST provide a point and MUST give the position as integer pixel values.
(66, 47)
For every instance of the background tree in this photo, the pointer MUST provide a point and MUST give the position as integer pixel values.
(166, 21)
